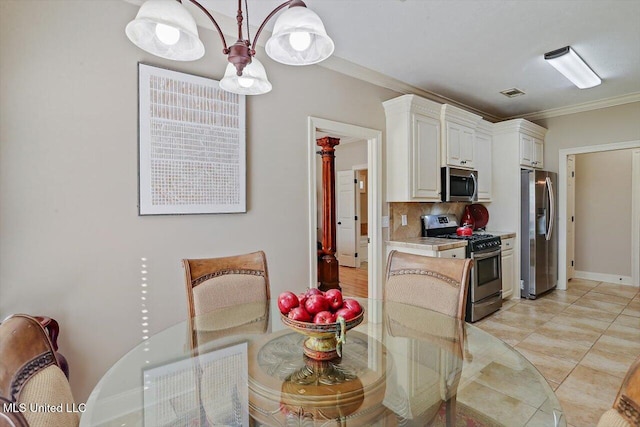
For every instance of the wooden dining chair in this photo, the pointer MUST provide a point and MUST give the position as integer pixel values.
(225, 296)
(626, 408)
(224, 287)
(440, 286)
(31, 374)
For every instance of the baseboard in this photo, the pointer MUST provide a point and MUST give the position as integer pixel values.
(600, 277)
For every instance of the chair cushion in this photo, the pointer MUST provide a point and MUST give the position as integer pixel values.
(228, 290)
(424, 291)
(612, 418)
(49, 387)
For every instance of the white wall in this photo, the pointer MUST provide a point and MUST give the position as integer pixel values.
(71, 241)
(603, 212)
(606, 125)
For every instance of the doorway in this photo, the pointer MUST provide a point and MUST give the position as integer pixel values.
(322, 127)
(566, 239)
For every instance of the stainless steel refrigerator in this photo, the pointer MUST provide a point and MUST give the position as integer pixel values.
(539, 236)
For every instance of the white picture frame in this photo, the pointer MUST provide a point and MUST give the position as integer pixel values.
(192, 145)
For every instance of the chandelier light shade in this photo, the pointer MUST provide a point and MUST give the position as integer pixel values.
(299, 38)
(567, 61)
(253, 80)
(165, 28)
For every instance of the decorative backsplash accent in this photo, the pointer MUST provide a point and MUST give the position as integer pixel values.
(414, 211)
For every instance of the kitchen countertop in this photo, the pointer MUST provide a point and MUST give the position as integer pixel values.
(502, 234)
(428, 243)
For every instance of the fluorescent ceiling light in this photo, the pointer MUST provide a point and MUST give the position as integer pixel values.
(567, 61)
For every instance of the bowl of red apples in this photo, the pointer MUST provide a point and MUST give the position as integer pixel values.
(324, 317)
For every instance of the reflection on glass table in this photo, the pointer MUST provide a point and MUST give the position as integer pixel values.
(402, 365)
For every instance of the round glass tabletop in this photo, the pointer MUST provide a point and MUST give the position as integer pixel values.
(402, 365)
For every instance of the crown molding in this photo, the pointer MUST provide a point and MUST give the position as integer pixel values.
(519, 125)
(350, 69)
(580, 108)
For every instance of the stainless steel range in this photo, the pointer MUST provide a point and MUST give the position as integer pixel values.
(485, 285)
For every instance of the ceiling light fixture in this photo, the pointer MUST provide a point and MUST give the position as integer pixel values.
(567, 61)
(165, 28)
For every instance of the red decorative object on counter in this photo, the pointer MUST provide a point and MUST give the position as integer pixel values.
(467, 218)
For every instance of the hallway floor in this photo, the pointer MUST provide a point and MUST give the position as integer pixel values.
(582, 340)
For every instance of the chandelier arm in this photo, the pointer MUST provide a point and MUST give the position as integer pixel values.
(225, 50)
(276, 10)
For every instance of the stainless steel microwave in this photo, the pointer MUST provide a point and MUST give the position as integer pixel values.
(459, 185)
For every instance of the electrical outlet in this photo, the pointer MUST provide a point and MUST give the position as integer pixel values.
(404, 219)
(385, 222)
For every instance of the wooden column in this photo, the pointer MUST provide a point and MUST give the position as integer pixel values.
(327, 262)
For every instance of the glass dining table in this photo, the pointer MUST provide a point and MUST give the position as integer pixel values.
(401, 366)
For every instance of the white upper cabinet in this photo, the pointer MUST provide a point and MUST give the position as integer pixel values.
(413, 149)
(483, 160)
(458, 137)
(538, 153)
(531, 151)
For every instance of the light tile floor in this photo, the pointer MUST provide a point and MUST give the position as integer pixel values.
(582, 340)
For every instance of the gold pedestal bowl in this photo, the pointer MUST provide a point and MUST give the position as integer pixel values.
(324, 341)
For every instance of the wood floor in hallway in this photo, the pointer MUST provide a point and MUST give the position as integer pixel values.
(354, 281)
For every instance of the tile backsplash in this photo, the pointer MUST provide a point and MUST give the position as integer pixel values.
(414, 211)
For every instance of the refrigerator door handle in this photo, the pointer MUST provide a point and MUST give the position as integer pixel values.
(552, 208)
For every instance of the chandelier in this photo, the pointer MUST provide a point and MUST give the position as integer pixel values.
(165, 28)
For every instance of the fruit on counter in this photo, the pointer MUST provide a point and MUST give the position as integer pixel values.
(299, 314)
(317, 306)
(287, 301)
(316, 303)
(324, 317)
(334, 297)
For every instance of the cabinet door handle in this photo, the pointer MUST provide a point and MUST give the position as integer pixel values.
(339, 223)
(453, 256)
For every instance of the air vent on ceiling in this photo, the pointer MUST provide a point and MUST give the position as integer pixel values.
(512, 93)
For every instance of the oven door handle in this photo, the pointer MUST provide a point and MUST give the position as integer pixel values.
(484, 255)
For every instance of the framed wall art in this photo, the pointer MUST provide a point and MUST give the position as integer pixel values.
(192, 145)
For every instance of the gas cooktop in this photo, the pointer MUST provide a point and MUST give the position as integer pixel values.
(445, 225)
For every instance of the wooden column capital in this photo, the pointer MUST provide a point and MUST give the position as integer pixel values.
(327, 143)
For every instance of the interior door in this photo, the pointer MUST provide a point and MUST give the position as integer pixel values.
(571, 219)
(346, 245)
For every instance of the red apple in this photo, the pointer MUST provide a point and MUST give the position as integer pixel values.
(346, 313)
(313, 291)
(300, 314)
(353, 305)
(287, 301)
(324, 317)
(334, 297)
(302, 298)
(315, 304)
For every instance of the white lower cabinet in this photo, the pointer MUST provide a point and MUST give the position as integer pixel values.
(508, 268)
(458, 253)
